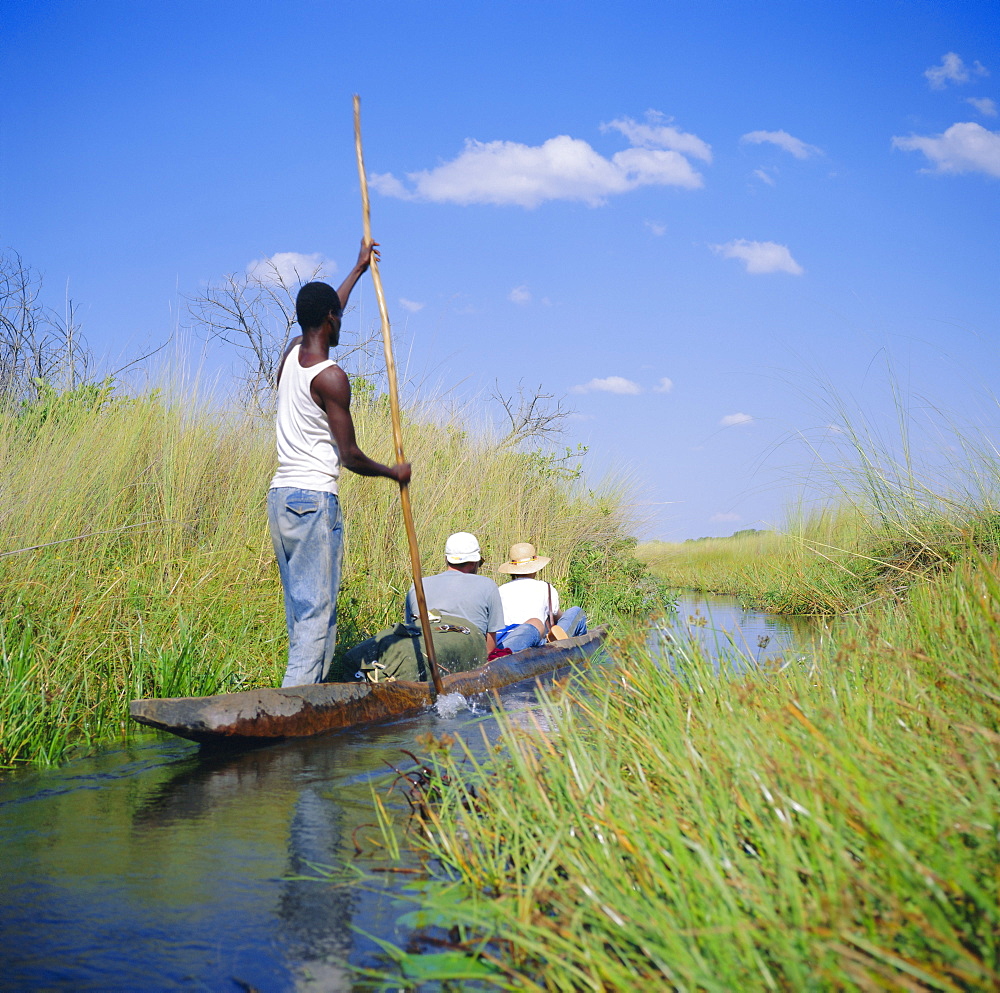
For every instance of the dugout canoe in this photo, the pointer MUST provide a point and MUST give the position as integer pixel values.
(269, 715)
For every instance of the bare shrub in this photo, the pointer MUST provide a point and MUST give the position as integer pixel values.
(38, 347)
(254, 312)
(531, 413)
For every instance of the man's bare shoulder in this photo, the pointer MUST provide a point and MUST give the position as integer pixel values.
(333, 384)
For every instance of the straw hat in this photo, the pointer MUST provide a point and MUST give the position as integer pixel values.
(523, 560)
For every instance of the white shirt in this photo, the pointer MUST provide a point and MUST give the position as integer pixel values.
(524, 598)
(307, 453)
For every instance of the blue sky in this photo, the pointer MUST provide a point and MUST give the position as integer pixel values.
(693, 219)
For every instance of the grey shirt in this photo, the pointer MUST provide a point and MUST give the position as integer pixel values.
(474, 597)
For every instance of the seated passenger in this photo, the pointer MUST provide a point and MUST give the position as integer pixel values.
(465, 613)
(531, 606)
(460, 591)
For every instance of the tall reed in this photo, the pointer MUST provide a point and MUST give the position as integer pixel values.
(819, 827)
(135, 559)
(894, 509)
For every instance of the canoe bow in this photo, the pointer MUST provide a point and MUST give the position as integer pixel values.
(267, 714)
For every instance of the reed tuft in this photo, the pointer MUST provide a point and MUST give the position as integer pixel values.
(828, 826)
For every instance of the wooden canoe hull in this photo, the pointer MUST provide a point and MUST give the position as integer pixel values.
(266, 714)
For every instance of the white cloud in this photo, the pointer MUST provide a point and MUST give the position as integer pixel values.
(784, 140)
(735, 420)
(562, 168)
(411, 305)
(520, 294)
(658, 133)
(387, 184)
(760, 257)
(655, 228)
(664, 386)
(964, 147)
(985, 106)
(764, 176)
(725, 517)
(953, 70)
(291, 268)
(612, 384)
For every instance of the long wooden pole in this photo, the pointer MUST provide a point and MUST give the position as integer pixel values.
(397, 424)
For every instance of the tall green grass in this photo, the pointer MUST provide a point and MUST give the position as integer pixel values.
(822, 825)
(828, 562)
(893, 511)
(135, 558)
(819, 827)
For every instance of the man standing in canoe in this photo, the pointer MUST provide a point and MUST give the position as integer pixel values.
(315, 438)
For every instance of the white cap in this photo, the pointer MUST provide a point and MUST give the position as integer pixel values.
(462, 547)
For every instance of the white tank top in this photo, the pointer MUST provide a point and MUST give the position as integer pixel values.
(308, 458)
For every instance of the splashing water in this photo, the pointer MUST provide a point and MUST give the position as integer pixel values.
(450, 704)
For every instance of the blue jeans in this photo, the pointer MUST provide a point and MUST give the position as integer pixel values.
(308, 537)
(517, 637)
(573, 621)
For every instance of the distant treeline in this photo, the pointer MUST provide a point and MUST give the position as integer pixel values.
(745, 533)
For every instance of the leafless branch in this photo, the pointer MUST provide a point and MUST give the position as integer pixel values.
(255, 313)
(36, 344)
(532, 414)
(142, 358)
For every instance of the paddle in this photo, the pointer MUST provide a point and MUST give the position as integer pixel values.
(397, 425)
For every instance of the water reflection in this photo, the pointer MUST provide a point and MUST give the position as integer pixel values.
(160, 867)
(316, 919)
(732, 637)
(280, 789)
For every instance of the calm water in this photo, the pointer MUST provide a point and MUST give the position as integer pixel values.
(159, 867)
(732, 637)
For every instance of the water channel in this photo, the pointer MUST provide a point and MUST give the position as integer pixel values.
(156, 866)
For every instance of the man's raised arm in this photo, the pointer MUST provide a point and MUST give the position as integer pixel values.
(368, 248)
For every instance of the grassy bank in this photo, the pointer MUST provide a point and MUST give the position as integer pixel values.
(823, 827)
(836, 561)
(893, 513)
(828, 825)
(135, 559)
(840, 560)
(829, 563)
